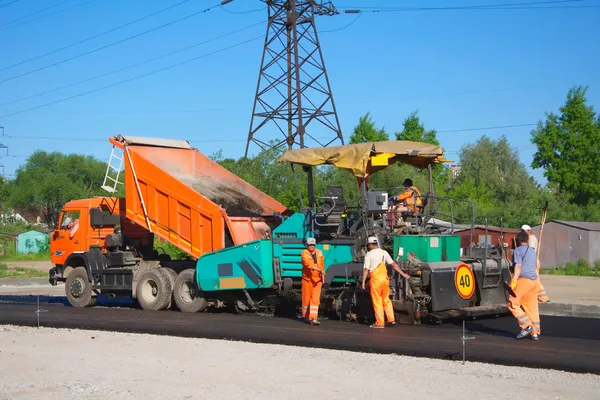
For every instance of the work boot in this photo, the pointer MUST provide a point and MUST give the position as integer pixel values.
(314, 322)
(525, 332)
(535, 336)
(391, 324)
(375, 326)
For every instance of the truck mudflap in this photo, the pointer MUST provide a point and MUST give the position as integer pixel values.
(52, 276)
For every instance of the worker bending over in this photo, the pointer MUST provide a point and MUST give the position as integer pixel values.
(533, 243)
(524, 303)
(408, 200)
(375, 264)
(313, 276)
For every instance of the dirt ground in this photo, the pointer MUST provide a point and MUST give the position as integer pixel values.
(75, 364)
(43, 266)
(572, 289)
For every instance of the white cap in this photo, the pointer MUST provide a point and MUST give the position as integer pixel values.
(372, 240)
(525, 228)
(310, 241)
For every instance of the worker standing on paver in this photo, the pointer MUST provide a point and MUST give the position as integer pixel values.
(375, 265)
(524, 303)
(313, 276)
(533, 243)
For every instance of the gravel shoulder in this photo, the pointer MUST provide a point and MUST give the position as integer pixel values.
(131, 366)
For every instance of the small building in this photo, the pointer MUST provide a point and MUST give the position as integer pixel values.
(568, 241)
(31, 242)
(493, 235)
(7, 244)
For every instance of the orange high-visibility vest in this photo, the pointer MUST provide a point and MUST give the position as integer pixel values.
(409, 197)
(309, 263)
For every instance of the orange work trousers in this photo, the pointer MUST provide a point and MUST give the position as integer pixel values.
(541, 294)
(525, 305)
(311, 298)
(380, 295)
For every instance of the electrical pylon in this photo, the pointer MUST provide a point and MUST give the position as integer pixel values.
(293, 86)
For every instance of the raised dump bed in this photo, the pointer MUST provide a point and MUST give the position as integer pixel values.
(190, 200)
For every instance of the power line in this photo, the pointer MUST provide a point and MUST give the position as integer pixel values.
(34, 13)
(531, 3)
(345, 27)
(130, 66)
(48, 15)
(157, 111)
(244, 140)
(486, 128)
(504, 6)
(111, 44)
(243, 12)
(8, 4)
(133, 78)
(91, 38)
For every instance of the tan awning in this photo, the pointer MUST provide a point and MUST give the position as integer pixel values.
(363, 159)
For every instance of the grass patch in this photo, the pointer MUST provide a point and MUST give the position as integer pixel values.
(44, 256)
(580, 268)
(20, 272)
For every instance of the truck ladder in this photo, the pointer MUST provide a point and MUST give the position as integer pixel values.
(108, 177)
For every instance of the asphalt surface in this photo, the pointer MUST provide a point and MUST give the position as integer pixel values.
(566, 343)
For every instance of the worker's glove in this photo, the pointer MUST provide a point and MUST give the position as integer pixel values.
(513, 284)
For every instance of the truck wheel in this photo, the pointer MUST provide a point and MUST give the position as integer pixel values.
(172, 275)
(187, 294)
(78, 288)
(154, 290)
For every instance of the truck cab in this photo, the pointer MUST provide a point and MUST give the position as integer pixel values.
(76, 233)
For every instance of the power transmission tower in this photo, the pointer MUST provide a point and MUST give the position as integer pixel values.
(293, 94)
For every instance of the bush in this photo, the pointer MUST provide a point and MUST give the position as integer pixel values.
(3, 267)
(580, 268)
(171, 250)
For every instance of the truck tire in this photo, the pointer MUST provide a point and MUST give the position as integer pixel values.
(154, 290)
(172, 275)
(78, 288)
(187, 294)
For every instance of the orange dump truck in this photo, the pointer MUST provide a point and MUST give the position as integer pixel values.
(104, 245)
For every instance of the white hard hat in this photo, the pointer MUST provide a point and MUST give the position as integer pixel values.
(372, 240)
(525, 228)
(310, 241)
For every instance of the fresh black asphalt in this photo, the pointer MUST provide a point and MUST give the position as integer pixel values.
(567, 343)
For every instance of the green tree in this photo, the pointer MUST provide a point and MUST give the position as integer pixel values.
(48, 180)
(494, 178)
(365, 131)
(414, 130)
(4, 195)
(568, 147)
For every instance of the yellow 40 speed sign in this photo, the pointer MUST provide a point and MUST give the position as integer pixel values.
(464, 280)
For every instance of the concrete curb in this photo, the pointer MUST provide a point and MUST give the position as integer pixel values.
(570, 310)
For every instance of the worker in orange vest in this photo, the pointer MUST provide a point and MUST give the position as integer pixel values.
(407, 200)
(375, 264)
(313, 276)
(523, 302)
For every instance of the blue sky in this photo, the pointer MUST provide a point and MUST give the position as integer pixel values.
(461, 69)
